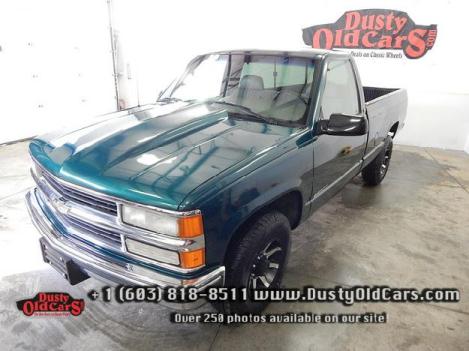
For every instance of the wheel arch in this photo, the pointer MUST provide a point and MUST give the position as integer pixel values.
(393, 129)
(289, 204)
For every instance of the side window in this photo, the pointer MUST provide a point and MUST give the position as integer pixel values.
(340, 93)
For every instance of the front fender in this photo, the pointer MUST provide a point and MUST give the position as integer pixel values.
(230, 208)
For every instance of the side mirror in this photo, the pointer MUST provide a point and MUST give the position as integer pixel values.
(345, 125)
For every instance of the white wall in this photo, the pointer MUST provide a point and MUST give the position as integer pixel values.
(158, 38)
(55, 64)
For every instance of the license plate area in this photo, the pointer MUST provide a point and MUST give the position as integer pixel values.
(62, 264)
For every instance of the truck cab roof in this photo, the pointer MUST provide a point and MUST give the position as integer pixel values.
(307, 53)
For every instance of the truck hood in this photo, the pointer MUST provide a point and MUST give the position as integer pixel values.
(157, 154)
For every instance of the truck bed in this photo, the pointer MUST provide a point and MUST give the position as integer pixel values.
(386, 109)
(372, 93)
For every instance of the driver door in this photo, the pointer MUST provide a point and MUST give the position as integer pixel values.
(338, 158)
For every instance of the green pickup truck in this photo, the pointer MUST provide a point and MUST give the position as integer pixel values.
(204, 187)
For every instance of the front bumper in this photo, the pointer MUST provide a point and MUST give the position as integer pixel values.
(111, 269)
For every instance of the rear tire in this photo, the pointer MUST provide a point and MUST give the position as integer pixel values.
(257, 261)
(374, 173)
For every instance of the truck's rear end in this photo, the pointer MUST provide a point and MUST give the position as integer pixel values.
(386, 109)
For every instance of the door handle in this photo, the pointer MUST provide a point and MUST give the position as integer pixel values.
(346, 150)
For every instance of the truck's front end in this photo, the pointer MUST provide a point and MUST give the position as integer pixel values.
(87, 233)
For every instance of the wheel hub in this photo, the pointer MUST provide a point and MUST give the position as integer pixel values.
(265, 266)
(386, 161)
(260, 265)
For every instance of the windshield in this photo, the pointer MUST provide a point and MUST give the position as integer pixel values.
(272, 88)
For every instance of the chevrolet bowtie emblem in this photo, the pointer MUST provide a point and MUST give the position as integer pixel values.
(60, 205)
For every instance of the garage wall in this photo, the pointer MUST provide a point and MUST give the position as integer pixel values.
(156, 39)
(55, 64)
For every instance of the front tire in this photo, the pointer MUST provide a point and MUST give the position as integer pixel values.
(374, 173)
(257, 261)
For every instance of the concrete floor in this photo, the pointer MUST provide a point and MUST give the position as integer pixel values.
(412, 231)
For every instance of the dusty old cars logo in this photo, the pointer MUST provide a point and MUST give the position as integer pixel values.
(52, 304)
(374, 29)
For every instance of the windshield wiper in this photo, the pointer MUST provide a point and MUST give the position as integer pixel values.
(249, 112)
(170, 99)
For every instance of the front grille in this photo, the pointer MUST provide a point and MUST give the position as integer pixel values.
(80, 197)
(72, 195)
(109, 236)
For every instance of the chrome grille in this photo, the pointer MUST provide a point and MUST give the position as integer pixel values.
(53, 189)
(80, 228)
(107, 235)
(81, 197)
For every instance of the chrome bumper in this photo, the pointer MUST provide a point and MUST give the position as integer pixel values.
(108, 268)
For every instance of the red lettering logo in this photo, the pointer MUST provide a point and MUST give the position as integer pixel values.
(378, 29)
(52, 304)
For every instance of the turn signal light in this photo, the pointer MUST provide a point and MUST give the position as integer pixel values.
(192, 259)
(191, 226)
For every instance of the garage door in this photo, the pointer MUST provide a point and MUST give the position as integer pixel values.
(55, 66)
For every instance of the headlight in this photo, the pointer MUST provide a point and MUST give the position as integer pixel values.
(150, 220)
(181, 226)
